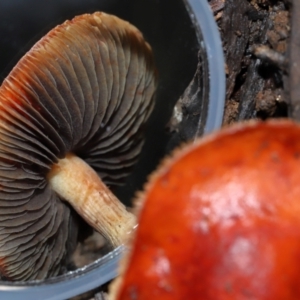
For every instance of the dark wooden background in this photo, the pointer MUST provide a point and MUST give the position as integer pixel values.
(258, 43)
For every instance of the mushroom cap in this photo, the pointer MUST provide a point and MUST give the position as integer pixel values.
(220, 220)
(87, 88)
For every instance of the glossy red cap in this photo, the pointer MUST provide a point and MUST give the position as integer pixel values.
(220, 220)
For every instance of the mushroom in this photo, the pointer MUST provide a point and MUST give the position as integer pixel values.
(72, 114)
(226, 211)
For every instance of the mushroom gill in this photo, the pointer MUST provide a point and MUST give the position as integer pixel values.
(83, 92)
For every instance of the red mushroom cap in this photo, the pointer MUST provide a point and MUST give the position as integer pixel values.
(221, 220)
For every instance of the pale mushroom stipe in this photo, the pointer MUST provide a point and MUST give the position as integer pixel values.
(72, 114)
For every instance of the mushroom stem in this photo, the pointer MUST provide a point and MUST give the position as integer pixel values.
(77, 183)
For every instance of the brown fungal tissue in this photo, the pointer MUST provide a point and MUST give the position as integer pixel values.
(71, 114)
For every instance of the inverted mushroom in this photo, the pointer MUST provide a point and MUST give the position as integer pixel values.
(71, 112)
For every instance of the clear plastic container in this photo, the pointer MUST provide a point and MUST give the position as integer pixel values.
(176, 29)
(203, 18)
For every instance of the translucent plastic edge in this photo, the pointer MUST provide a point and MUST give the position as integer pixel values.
(203, 15)
(69, 285)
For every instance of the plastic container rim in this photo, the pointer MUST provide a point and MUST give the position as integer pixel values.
(202, 16)
(105, 269)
